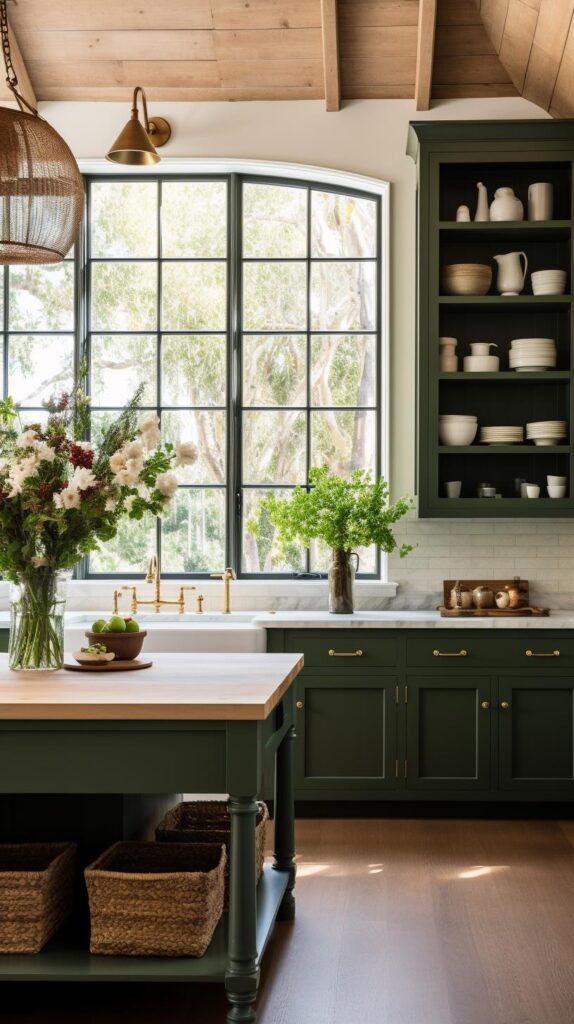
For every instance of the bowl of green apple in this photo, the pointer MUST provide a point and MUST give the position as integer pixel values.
(121, 635)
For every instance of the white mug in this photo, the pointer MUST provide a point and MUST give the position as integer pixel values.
(482, 348)
(453, 488)
(532, 491)
(540, 201)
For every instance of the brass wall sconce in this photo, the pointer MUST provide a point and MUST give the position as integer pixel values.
(137, 143)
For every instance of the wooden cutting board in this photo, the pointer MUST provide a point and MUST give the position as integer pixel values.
(481, 613)
(108, 666)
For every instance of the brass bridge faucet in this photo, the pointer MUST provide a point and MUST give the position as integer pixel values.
(227, 575)
(157, 601)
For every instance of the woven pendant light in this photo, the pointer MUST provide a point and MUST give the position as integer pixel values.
(41, 188)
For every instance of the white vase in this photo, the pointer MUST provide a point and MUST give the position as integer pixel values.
(482, 211)
(448, 361)
(540, 201)
(506, 206)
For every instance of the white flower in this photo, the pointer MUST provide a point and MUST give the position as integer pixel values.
(70, 497)
(37, 561)
(26, 440)
(148, 427)
(128, 475)
(82, 478)
(57, 499)
(86, 446)
(43, 451)
(117, 461)
(110, 505)
(185, 453)
(129, 502)
(167, 484)
(20, 472)
(133, 450)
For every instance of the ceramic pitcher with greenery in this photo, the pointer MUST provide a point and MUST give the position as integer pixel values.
(344, 513)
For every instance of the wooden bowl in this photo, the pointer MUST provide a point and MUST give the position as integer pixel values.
(125, 646)
(466, 278)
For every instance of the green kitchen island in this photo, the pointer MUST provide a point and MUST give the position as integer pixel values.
(192, 723)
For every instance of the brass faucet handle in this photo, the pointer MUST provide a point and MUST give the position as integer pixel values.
(199, 603)
(152, 569)
(181, 599)
(117, 597)
(134, 600)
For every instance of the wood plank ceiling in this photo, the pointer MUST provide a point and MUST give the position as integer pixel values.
(535, 42)
(258, 49)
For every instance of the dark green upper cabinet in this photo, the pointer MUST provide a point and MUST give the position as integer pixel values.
(451, 158)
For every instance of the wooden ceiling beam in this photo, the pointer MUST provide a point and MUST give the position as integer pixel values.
(425, 53)
(331, 69)
(25, 86)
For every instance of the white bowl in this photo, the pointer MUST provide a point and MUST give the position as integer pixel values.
(481, 364)
(548, 282)
(457, 419)
(556, 490)
(556, 480)
(457, 433)
(532, 491)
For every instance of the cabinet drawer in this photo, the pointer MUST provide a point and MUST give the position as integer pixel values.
(457, 650)
(359, 648)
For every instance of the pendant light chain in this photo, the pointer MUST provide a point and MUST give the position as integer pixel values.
(11, 76)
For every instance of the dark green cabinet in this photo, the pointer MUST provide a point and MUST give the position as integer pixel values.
(536, 734)
(346, 733)
(451, 158)
(448, 733)
(433, 715)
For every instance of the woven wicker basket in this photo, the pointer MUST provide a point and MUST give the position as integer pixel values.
(36, 893)
(207, 821)
(148, 899)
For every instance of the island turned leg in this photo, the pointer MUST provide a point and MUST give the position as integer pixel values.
(242, 975)
(284, 853)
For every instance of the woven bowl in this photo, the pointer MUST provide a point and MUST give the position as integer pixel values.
(126, 646)
(466, 279)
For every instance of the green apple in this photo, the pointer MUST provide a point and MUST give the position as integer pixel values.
(98, 626)
(132, 626)
(116, 624)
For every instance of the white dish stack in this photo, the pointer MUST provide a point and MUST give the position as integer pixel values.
(531, 354)
(548, 282)
(502, 435)
(546, 432)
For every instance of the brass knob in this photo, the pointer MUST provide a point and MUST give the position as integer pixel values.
(300, 705)
(485, 704)
(504, 705)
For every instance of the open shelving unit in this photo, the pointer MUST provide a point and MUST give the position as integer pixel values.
(451, 158)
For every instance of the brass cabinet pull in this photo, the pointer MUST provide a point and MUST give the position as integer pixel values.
(504, 705)
(345, 654)
(542, 654)
(485, 704)
(300, 705)
(450, 654)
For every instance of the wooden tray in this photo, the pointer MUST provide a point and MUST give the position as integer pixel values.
(108, 666)
(481, 613)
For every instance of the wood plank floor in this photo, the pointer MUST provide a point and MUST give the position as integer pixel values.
(399, 922)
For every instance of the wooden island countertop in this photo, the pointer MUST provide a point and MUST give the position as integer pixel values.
(187, 687)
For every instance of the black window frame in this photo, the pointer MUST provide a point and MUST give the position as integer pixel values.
(234, 408)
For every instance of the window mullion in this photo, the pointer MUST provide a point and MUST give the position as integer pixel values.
(235, 316)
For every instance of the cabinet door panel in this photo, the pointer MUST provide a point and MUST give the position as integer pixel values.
(346, 733)
(537, 733)
(448, 733)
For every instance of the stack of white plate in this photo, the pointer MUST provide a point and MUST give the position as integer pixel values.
(548, 282)
(531, 354)
(546, 432)
(501, 435)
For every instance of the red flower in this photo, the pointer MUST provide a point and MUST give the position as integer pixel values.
(45, 491)
(81, 456)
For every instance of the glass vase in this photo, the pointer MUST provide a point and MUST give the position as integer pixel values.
(342, 581)
(37, 605)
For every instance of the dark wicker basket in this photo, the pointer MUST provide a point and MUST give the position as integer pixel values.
(151, 899)
(36, 893)
(207, 821)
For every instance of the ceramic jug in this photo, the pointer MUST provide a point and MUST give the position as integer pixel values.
(462, 213)
(540, 201)
(448, 361)
(511, 277)
(482, 211)
(483, 597)
(506, 206)
(460, 597)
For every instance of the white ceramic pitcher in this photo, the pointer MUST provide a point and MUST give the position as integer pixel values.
(511, 277)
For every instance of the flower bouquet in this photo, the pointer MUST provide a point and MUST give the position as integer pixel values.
(61, 496)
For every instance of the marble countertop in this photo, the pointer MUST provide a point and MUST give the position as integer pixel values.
(420, 619)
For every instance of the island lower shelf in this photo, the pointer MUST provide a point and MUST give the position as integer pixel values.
(67, 957)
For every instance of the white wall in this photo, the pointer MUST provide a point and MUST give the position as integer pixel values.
(367, 137)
